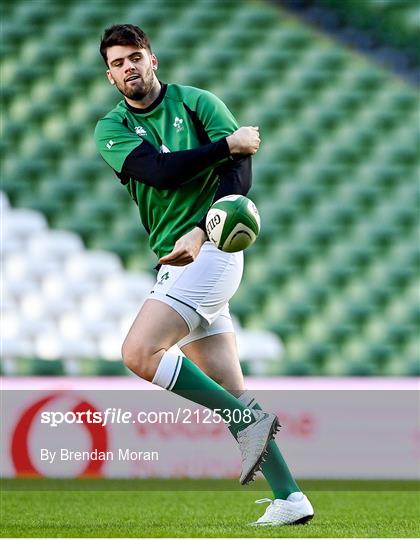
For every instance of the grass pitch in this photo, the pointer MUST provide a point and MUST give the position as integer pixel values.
(192, 508)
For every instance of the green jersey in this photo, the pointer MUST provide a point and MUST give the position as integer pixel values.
(182, 118)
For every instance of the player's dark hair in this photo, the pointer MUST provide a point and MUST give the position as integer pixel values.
(123, 34)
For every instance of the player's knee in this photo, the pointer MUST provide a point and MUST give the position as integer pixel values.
(141, 358)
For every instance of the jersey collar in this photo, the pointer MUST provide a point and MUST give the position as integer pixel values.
(152, 106)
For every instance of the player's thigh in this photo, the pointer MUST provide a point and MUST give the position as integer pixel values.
(157, 326)
(217, 356)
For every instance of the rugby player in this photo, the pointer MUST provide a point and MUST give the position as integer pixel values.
(177, 149)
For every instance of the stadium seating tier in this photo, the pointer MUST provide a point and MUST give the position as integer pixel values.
(336, 179)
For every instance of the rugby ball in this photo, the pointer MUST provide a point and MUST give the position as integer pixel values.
(233, 223)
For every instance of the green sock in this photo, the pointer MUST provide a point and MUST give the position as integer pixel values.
(275, 469)
(180, 375)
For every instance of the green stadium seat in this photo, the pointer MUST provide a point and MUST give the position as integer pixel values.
(369, 79)
(86, 15)
(297, 367)
(198, 76)
(65, 192)
(331, 59)
(87, 229)
(335, 178)
(49, 207)
(69, 35)
(402, 100)
(16, 32)
(106, 189)
(294, 37)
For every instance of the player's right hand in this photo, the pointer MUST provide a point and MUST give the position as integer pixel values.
(245, 140)
(186, 248)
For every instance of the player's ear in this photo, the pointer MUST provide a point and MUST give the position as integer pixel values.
(155, 63)
(110, 79)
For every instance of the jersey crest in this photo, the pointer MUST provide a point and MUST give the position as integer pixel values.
(178, 124)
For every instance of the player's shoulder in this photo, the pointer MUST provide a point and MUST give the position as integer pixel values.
(114, 117)
(117, 114)
(189, 95)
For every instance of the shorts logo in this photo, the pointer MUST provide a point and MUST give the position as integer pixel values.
(110, 144)
(163, 278)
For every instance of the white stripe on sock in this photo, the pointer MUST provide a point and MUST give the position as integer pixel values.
(168, 370)
(177, 370)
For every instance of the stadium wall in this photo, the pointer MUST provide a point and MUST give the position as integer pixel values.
(332, 428)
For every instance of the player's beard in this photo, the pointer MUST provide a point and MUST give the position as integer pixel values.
(141, 87)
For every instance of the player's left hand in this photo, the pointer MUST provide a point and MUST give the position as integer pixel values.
(186, 248)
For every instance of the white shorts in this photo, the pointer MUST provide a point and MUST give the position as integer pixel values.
(200, 291)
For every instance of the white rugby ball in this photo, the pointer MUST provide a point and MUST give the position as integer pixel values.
(233, 223)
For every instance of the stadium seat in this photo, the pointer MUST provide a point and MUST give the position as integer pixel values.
(19, 223)
(335, 178)
(72, 324)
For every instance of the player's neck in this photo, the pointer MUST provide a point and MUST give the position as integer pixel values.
(148, 99)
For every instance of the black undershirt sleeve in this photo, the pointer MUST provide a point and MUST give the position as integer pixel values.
(170, 170)
(235, 178)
